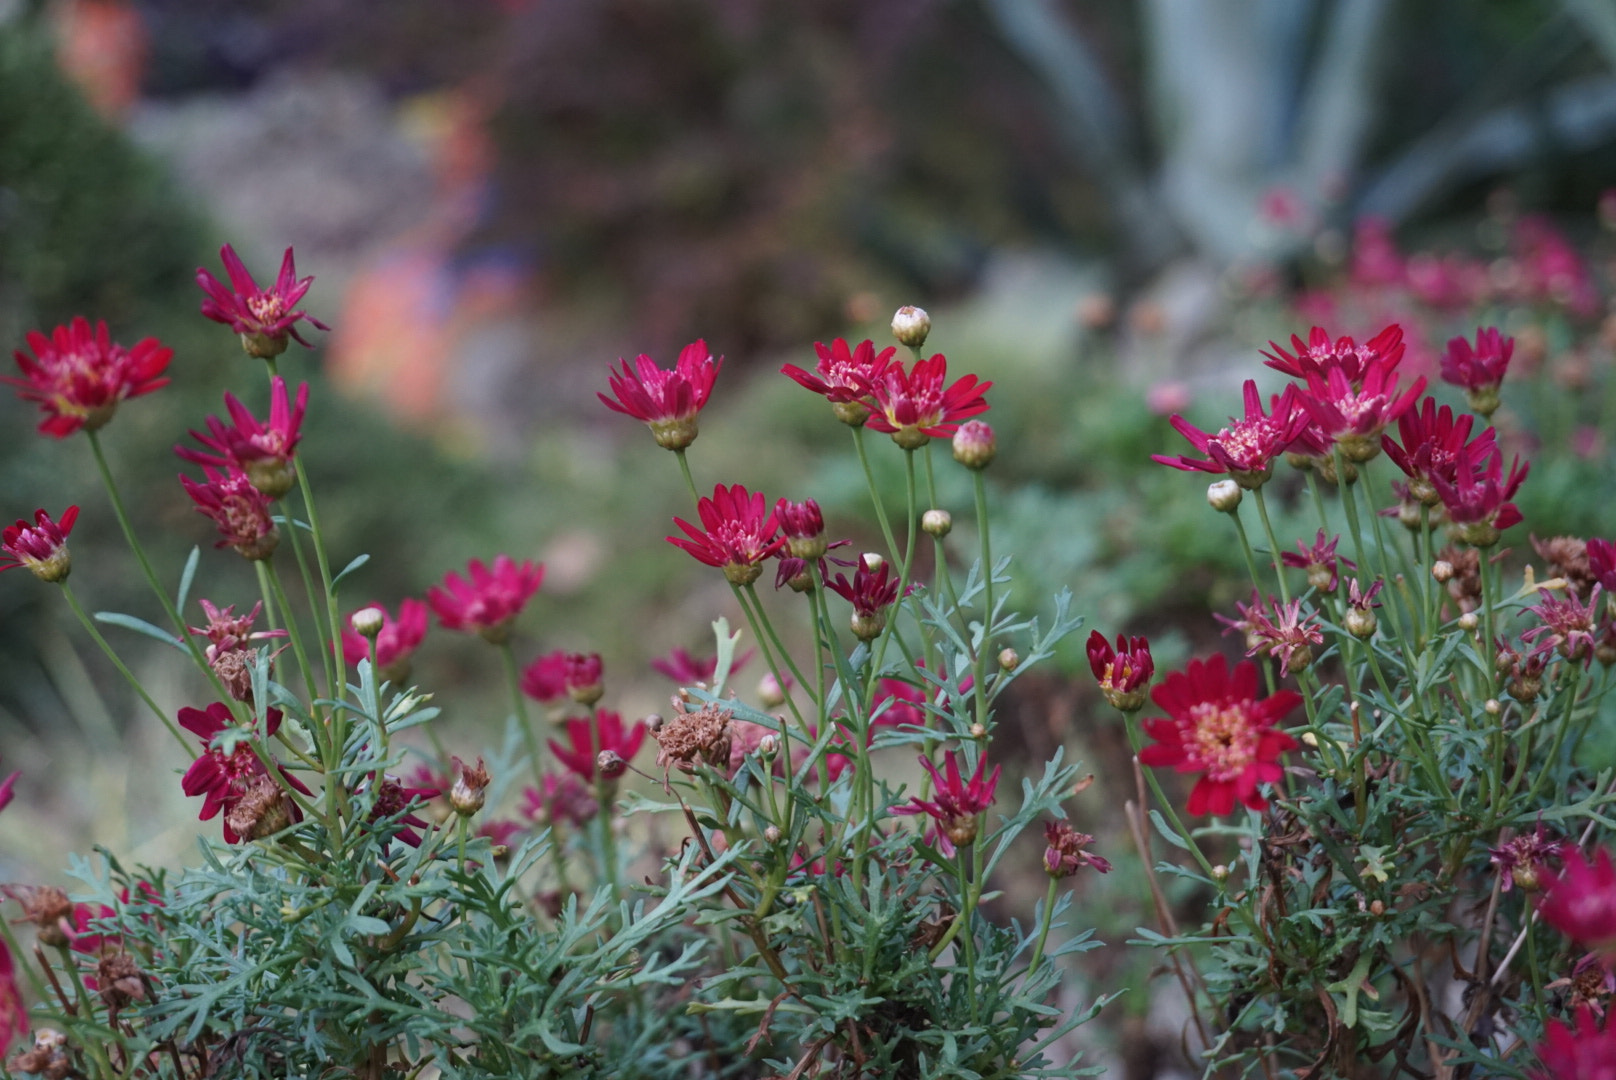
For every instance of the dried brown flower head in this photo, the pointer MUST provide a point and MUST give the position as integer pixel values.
(691, 739)
(263, 811)
(1567, 557)
(47, 907)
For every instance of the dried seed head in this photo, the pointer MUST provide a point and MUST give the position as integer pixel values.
(691, 739)
(262, 811)
(119, 977)
(47, 907)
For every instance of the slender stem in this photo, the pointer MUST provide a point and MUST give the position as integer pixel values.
(764, 638)
(1273, 545)
(117, 662)
(513, 680)
(320, 556)
(269, 584)
(1245, 549)
(968, 898)
(313, 594)
(875, 493)
(768, 627)
(905, 575)
(984, 533)
(690, 482)
(1043, 926)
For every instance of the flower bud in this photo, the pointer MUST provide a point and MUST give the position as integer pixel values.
(872, 562)
(368, 622)
(768, 746)
(272, 476)
(609, 764)
(470, 787)
(1224, 496)
(1492, 707)
(1220, 873)
(769, 691)
(1408, 515)
(1377, 908)
(583, 678)
(771, 835)
(911, 326)
(801, 583)
(1361, 623)
(804, 527)
(974, 445)
(1009, 659)
(938, 523)
(867, 627)
(978, 731)
(1443, 571)
(1468, 621)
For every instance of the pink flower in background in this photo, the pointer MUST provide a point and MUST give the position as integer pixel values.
(6, 789)
(736, 534)
(588, 739)
(77, 376)
(1167, 398)
(264, 318)
(561, 797)
(1320, 354)
(487, 600)
(1216, 726)
(667, 401)
(1376, 261)
(13, 1013)
(914, 406)
(261, 450)
(397, 641)
(41, 547)
(1602, 562)
(545, 679)
(239, 509)
(686, 670)
(1479, 370)
(1580, 901)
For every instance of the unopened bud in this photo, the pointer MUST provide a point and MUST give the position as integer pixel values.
(974, 445)
(1377, 908)
(653, 723)
(610, 764)
(368, 622)
(1525, 875)
(769, 691)
(1442, 570)
(470, 787)
(978, 731)
(768, 746)
(1468, 621)
(938, 523)
(1492, 707)
(868, 627)
(771, 835)
(872, 562)
(1220, 873)
(911, 326)
(1224, 496)
(1408, 515)
(1361, 623)
(583, 677)
(1009, 659)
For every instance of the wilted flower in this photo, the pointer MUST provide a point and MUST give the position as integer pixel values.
(470, 786)
(956, 803)
(1288, 637)
(667, 401)
(1246, 449)
(1479, 370)
(486, 600)
(41, 547)
(263, 451)
(738, 536)
(1065, 854)
(1216, 726)
(692, 738)
(239, 509)
(1525, 860)
(264, 318)
(1124, 671)
(224, 777)
(845, 376)
(228, 632)
(1319, 561)
(914, 407)
(1567, 557)
(396, 641)
(589, 738)
(1567, 624)
(78, 376)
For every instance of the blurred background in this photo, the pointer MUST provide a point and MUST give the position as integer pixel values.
(1107, 206)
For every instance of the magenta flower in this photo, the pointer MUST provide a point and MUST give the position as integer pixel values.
(1477, 500)
(1123, 672)
(262, 451)
(588, 739)
(13, 1013)
(1216, 726)
(239, 509)
(545, 679)
(6, 788)
(1321, 354)
(486, 601)
(1479, 370)
(395, 643)
(78, 376)
(1319, 560)
(956, 803)
(1580, 901)
(223, 777)
(560, 797)
(1354, 414)
(1433, 442)
(228, 632)
(264, 318)
(1528, 858)
(803, 526)
(584, 677)
(668, 401)
(1566, 624)
(1580, 1051)
(1246, 449)
(1065, 851)
(913, 406)
(871, 592)
(393, 799)
(686, 670)
(1288, 637)
(845, 376)
(1602, 562)
(738, 534)
(41, 547)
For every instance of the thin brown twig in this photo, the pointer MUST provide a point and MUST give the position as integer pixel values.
(1133, 814)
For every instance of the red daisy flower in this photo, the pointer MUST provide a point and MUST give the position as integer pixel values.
(686, 670)
(79, 375)
(13, 1013)
(41, 547)
(545, 679)
(1581, 901)
(1246, 449)
(845, 376)
(262, 451)
(1216, 726)
(1602, 562)
(1355, 413)
(666, 400)
(1477, 499)
(486, 600)
(395, 643)
(584, 677)
(871, 592)
(393, 799)
(264, 318)
(738, 535)
(1124, 672)
(238, 508)
(1479, 370)
(591, 738)
(1321, 354)
(957, 803)
(560, 797)
(1434, 440)
(221, 777)
(1577, 1052)
(803, 526)
(913, 406)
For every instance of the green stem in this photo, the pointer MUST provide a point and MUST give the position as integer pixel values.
(690, 482)
(768, 627)
(513, 681)
(313, 594)
(1273, 545)
(984, 532)
(95, 635)
(765, 635)
(1043, 926)
(324, 562)
(270, 586)
(1245, 549)
(875, 492)
(904, 576)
